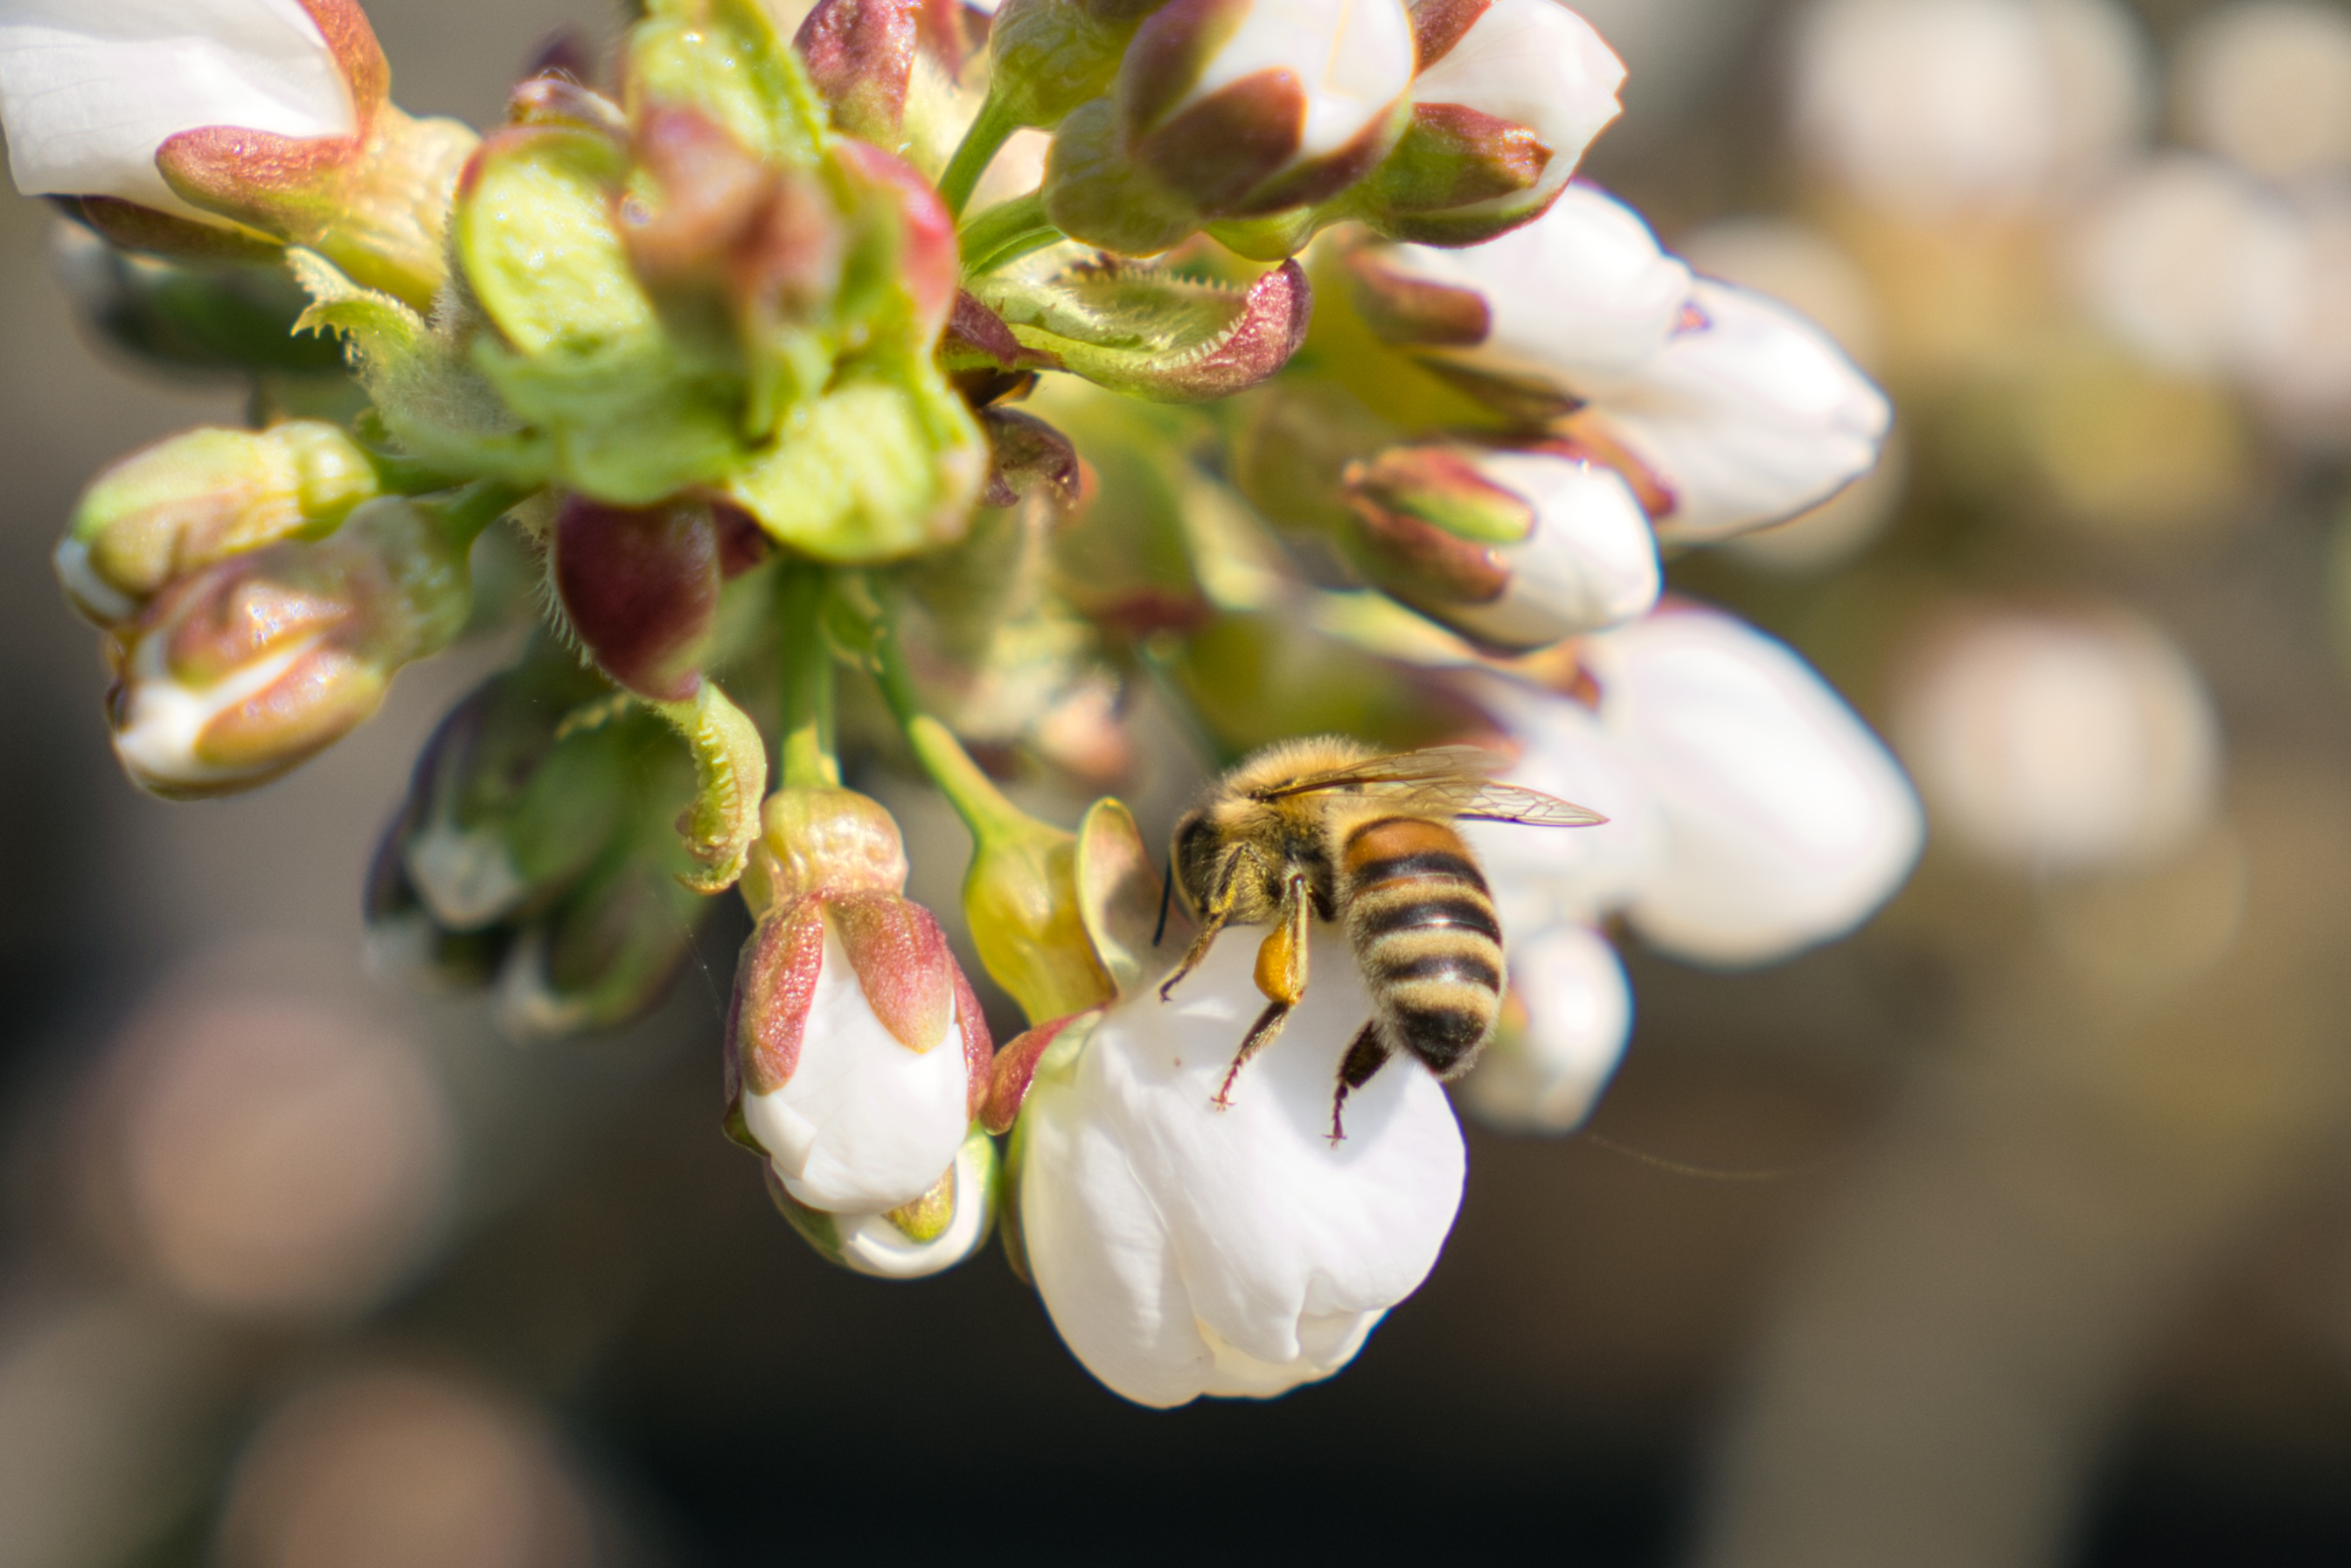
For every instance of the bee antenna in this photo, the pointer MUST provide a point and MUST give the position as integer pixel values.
(1166, 892)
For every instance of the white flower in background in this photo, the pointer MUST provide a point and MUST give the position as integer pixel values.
(1186, 1251)
(2300, 369)
(1532, 63)
(91, 88)
(1563, 1033)
(1782, 820)
(1748, 415)
(1926, 108)
(2190, 263)
(1582, 290)
(2061, 742)
(2267, 85)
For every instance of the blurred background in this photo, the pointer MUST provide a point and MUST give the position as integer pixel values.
(2015, 1229)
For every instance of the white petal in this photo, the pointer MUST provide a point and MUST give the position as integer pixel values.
(1537, 64)
(89, 90)
(1102, 1257)
(1785, 822)
(1142, 1200)
(165, 717)
(2064, 741)
(1751, 418)
(1544, 877)
(864, 1124)
(1591, 561)
(871, 1245)
(1582, 290)
(1354, 59)
(1546, 1077)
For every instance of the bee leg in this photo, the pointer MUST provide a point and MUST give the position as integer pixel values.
(1212, 921)
(1366, 1055)
(1280, 975)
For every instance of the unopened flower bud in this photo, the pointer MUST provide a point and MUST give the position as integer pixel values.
(178, 506)
(934, 1232)
(406, 942)
(1509, 95)
(1514, 550)
(511, 801)
(858, 1053)
(233, 675)
(860, 58)
(1231, 108)
(640, 589)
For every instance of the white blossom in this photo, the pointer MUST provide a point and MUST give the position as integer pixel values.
(1748, 415)
(91, 88)
(2267, 85)
(1182, 1250)
(1782, 821)
(1582, 290)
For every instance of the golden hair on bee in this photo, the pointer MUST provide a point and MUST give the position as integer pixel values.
(1328, 828)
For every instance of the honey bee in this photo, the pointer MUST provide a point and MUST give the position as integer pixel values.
(1328, 829)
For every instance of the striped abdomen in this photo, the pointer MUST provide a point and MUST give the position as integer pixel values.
(1425, 932)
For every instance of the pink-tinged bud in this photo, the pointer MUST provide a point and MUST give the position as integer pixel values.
(191, 500)
(1415, 312)
(928, 264)
(232, 676)
(1515, 550)
(857, 1054)
(860, 56)
(712, 191)
(1167, 338)
(640, 589)
(1509, 95)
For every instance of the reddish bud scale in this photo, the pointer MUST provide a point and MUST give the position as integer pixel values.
(1411, 312)
(641, 590)
(902, 962)
(1026, 454)
(775, 982)
(1439, 25)
(1015, 1068)
(860, 56)
(712, 188)
(1223, 147)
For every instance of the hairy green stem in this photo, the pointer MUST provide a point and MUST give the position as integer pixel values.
(465, 513)
(808, 750)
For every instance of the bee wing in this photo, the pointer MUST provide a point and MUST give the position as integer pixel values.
(1436, 764)
(1446, 781)
(1485, 801)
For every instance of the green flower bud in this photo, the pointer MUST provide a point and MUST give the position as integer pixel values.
(176, 507)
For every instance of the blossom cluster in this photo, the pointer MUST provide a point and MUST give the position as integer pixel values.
(1304, 389)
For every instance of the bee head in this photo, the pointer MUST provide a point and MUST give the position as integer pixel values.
(1193, 858)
